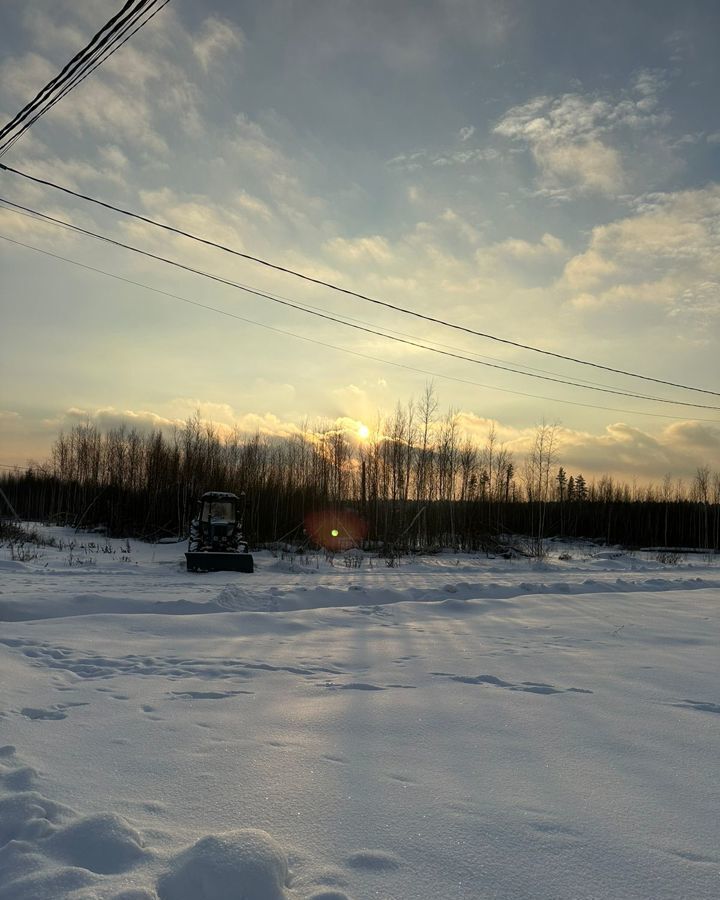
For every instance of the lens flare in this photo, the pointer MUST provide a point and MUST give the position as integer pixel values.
(336, 529)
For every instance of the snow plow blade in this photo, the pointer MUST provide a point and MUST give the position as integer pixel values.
(219, 562)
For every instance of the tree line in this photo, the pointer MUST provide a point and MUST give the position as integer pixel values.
(417, 483)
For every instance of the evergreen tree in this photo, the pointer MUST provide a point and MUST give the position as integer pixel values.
(561, 479)
(580, 488)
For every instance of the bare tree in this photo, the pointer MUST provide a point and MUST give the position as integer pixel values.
(538, 464)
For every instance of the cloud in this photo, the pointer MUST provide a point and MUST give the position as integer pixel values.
(547, 246)
(265, 423)
(440, 159)
(667, 254)
(193, 214)
(680, 45)
(588, 269)
(22, 77)
(217, 38)
(626, 451)
(110, 417)
(253, 205)
(113, 156)
(208, 410)
(25, 227)
(373, 249)
(460, 226)
(571, 136)
(466, 132)
(255, 152)
(75, 173)
(52, 35)
(109, 111)
(358, 401)
(619, 449)
(589, 165)
(516, 258)
(695, 435)
(220, 416)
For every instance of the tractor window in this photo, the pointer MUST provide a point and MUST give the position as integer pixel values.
(222, 510)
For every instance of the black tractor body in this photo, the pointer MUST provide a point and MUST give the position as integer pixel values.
(216, 543)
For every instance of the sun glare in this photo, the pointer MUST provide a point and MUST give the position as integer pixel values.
(363, 432)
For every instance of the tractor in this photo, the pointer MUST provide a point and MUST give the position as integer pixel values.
(216, 543)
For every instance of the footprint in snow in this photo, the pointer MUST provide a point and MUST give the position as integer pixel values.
(205, 695)
(529, 687)
(373, 861)
(351, 686)
(341, 760)
(54, 713)
(403, 779)
(699, 705)
(692, 856)
(551, 827)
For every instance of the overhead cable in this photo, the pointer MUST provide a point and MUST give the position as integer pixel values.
(387, 332)
(325, 344)
(119, 29)
(322, 315)
(70, 67)
(347, 291)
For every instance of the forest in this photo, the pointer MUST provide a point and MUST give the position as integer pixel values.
(414, 485)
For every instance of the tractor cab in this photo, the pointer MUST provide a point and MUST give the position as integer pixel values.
(216, 543)
(219, 519)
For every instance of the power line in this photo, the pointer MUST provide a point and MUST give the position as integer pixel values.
(347, 291)
(337, 320)
(326, 316)
(388, 332)
(73, 71)
(82, 76)
(330, 346)
(120, 28)
(581, 382)
(67, 69)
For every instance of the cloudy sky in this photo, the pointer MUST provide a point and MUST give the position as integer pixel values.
(548, 173)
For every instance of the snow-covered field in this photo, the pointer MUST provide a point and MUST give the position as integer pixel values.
(455, 727)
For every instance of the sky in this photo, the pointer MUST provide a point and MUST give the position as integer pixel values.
(545, 173)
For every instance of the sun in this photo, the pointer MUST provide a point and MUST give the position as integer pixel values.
(363, 432)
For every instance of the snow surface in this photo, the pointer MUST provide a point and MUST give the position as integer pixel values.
(455, 727)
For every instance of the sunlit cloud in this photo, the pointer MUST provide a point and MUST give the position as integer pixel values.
(667, 255)
(372, 249)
